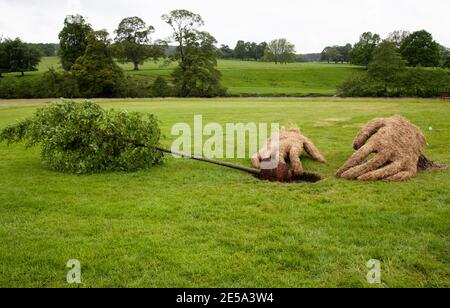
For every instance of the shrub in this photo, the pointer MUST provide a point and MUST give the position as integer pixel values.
(84, 138)
(422, 82)
(56, 84)
(135, 86)
(14, 87)
(362, 86)
(419, 82)
(8, 88)
(160, 88)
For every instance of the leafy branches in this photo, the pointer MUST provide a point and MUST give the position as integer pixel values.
(84, 138)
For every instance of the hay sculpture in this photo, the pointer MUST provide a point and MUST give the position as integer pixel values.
(291, 145)
(398, 147)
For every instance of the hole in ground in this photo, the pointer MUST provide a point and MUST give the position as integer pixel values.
(283, 174)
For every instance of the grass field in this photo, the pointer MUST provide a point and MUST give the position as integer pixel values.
(255, 78)
(186, 224)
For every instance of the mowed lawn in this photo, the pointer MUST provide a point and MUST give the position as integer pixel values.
(254, 78)
(261, 78)
(187, 224)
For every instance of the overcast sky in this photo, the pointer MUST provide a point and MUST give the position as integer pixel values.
(309, 24)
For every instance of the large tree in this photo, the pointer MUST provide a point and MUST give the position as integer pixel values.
(345, 52)
(362, 52)
(445, 57)
(183, 23)
(17, 56)
(444, 54)
(4, 61)
(240, 51)
(280, 51)
(133, 43)
(73, 40)
(250, 50)
(96, 72)
(260, 50)
(387, 64)
(332, 54)
(419, 49)
(447, 62)
(398, 37)
(197, 73)
(226, 52)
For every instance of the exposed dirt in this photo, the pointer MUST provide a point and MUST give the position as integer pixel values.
(425, 164)
(283, 174)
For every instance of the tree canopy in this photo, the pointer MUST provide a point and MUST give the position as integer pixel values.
(226, 52)
(73, 40)
(387, 64)
(419, 49)
(96, 71)
(249, 50)
(446, 62)
(133, 43)
(4, 59)
(362, 52)
(398, 37)
(280, 51)
(336, 53)
(197, 73)
(17, 56)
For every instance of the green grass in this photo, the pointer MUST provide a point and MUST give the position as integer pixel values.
(260, 78)
(187, 224)
(254, 78)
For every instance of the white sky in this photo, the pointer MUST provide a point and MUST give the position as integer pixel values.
(309, 24)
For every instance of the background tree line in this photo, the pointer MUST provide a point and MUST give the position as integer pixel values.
(277, 51)
(388, 74)
(403, 64)
(417, 49)
(90, 70)
(89, 57)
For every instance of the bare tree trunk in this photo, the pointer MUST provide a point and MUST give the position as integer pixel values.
(136, 66)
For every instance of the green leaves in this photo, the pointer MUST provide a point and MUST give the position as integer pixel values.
(96, 72)
(197, 74)
(84, 138)
(73, 40)
(362, 52)
(133, 43)
(420, 49)
(16, 56)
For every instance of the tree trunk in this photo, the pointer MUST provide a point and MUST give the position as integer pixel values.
(136, 66)
(23, 74)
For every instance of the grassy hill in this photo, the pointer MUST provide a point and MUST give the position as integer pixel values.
(256, 78)
(261, 78)
(187, 224)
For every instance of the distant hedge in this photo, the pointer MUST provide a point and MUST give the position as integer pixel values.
(412, 82)
(53, 84)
